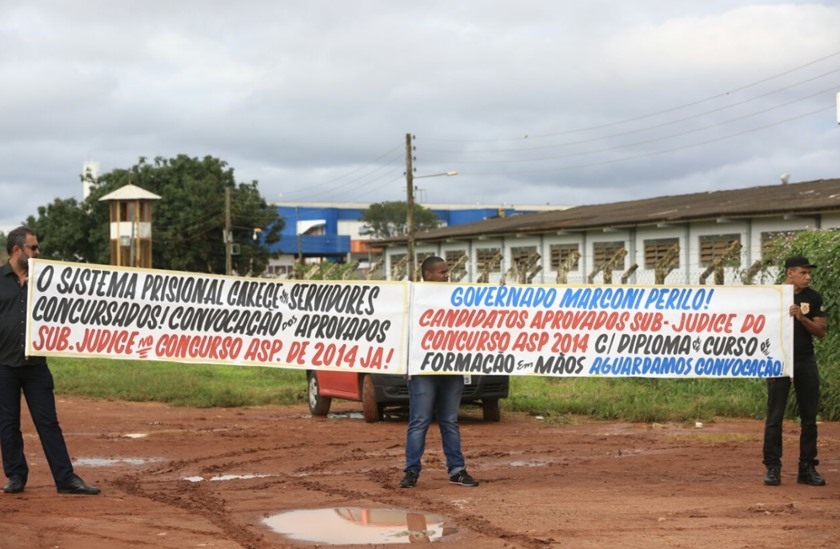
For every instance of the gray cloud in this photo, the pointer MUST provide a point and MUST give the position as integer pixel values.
(535, 102)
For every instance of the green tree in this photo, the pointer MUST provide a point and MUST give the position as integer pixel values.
(187, 224)
(67, 232)
(388, 219)
(821, 247)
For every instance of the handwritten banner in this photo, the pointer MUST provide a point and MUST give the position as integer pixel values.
(84, 310)
(616, 331)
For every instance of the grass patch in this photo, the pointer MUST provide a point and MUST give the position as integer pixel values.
(558, 400)
(637, 399)
(194, 385)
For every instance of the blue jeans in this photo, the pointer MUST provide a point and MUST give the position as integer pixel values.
(434, 396)
(36, 383)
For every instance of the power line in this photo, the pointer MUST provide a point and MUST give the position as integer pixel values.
(653, 114)
(657, 126)
(376, 174)
(355, 175)
(659, 152)
(656, 139)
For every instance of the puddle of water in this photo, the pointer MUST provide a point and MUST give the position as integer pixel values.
(219, 478)
(358, 415)
(357, 525)
(346, 415)
(106, 462)
(528, 464)
(180, 433)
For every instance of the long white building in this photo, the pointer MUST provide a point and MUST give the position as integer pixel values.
(688, 239)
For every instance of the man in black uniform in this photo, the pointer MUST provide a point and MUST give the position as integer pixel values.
(29, 374)
(808, 321)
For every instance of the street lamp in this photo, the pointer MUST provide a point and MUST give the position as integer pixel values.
(451, 172)
(409, 216)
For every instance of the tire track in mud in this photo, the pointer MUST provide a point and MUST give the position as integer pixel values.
(387, 478)
(350, 458)
(585, 484)
(471, 522)
(196, 498)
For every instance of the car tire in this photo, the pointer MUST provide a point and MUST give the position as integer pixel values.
(318, 405)
(371, 410)
(491, 411)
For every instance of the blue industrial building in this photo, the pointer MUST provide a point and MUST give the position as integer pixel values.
(315, 232)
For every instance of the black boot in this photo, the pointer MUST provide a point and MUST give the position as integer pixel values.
(773, 476)
(808, 475)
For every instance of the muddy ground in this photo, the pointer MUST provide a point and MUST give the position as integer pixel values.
(223, 478)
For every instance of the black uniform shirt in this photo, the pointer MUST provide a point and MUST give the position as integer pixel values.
(13, 320)
(810, 302)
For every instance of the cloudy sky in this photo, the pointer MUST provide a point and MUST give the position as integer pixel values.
(556, 102)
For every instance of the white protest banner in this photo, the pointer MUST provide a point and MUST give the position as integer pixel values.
(84, 310)
(616, 331)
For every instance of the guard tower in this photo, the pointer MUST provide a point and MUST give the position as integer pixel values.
(131, 226)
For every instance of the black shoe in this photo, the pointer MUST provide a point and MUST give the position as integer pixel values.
(15, 485)
(463, 478)
(78, 486)
(409, 480)
(808, 475)
(773, 476)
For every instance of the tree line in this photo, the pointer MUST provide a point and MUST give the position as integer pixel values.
(188, 220)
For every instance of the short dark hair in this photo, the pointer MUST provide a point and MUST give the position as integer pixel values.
(430, 262)
(17, 237)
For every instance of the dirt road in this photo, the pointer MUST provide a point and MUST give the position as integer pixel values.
(229, 478)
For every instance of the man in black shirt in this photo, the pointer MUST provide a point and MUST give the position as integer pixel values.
(30, 375)
(808, 322)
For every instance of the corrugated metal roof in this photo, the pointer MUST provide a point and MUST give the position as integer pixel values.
(808, 198)
(130, 192)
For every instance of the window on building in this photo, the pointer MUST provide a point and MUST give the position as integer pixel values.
(605, 251)
(454, 257)
(278, 270)
(421, 257)
(519, 255)
(712, 247)
(657, 248)
(129, 209)
(488, 259)
(561, 252)
(769, 240)
(397, 260)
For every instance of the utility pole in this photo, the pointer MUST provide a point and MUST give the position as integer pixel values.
(409, 216)
(228, 236)
(411, 257)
